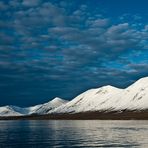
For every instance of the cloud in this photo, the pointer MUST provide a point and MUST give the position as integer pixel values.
(3, 6)
(31, 3)
(101, 42)
(56, 47)
(100, 23)
(6, 39)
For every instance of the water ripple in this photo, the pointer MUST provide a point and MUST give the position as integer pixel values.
(81, 133)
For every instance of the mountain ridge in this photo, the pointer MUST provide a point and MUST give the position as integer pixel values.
(11, 110)
(106, 98)
(109, 98)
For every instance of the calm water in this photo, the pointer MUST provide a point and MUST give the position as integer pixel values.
(91, 133)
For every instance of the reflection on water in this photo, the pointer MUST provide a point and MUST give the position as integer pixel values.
(83, 133)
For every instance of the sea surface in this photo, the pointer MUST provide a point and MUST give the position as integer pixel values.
(77, 133)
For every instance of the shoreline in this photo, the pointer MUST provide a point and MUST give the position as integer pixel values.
(124, 115)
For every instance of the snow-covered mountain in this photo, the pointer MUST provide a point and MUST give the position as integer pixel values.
(46, 107)
(38, 109)
(108, 98)
(9, 111)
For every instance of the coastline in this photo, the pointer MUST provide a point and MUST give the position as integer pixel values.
(124, 115)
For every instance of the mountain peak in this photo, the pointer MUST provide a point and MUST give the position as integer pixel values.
(57, 102)
(57, 99)
(141, 83)
(143, 80)
(110, 88)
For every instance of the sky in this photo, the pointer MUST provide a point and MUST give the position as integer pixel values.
(61, 48)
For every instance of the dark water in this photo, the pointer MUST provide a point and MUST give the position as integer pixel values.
(86, 133)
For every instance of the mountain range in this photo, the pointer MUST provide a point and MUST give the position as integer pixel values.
(37, 109)
(104, 99)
